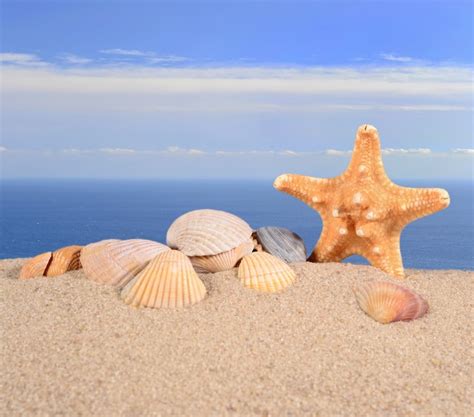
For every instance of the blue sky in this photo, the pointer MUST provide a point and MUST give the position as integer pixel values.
(234, 89)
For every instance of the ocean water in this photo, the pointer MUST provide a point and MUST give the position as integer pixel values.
(41, 215)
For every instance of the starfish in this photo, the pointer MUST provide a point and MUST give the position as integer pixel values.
(362, 210)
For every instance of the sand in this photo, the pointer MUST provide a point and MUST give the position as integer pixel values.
(71, 347)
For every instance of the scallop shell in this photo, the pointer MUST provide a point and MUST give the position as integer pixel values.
(386, 302)
(35, 267)
(116, 262)
(64, 259)
(207, 232)
(168, 281)
(264, 272)
(282, 243)
(222, 261)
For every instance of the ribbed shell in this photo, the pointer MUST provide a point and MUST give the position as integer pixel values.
(207, 232)
(64, 260)
(386, 302)
(264, 272)
(222, 261)
(35, 267)
(168, 281)
(117, 262)
(282, 243)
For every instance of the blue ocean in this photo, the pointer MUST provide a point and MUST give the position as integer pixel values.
(41, 215)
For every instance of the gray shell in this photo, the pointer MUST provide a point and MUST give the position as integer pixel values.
(282, 243)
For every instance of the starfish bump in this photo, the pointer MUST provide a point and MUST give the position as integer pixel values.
(362, 210)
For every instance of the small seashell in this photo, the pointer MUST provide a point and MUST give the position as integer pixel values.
(386, 302)
(64, 259)
(222, 261)
(207, 232)
(115, 262)
(264, 272)
(35, 267)
(168, 281)
(282, 243)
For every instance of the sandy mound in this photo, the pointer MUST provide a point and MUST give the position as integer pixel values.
(72, 347)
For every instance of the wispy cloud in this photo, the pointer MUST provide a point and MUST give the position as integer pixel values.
(402, 151)
(74, 59)
(335, 152)
(3, 149)
(397, 58)
(149, 56)
(126, 52)
(466, 151)
(178, 151)
(22, 60)
(118, 151)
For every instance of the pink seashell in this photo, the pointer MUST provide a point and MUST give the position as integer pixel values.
(386, 302)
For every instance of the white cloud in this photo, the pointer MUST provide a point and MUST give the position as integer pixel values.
(167, 59)
(287, 152)
(3, 149)
(118, 151)
(150, 57)
(396, 58)
(402, 151)
(126, 52)
(411, 82)
(74, 59)
(335, 152)
(467, 151)
(22, 60)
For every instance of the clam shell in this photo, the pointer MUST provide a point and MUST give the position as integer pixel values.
(264, 272)
(168, 281)
(116, 262)
(222, 261)
(35, 267)
(207, 232)
(386, 302)
(64, 259)
(282, 243)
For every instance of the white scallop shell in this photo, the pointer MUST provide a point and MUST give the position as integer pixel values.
(222, 261)
(116, 262)
(207, 232)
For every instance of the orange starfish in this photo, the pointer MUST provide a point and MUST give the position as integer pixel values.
(362, 210)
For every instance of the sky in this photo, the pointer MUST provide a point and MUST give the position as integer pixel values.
(234, 89)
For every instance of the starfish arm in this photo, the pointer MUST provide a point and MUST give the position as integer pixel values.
(333, 242)
(366, 161)
(385, 254)
(311, 190)
(414, 203)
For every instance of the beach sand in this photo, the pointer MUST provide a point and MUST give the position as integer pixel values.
(71, 347)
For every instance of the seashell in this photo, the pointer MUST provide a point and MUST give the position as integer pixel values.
(116, 262)
(222, 261)
(264, 272)
(35, 267)
(63, 260)
(168, 281)
(386, 302)
(207, 232)
(282, 243)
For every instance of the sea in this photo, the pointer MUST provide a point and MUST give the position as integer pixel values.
(42, 215)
